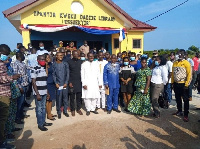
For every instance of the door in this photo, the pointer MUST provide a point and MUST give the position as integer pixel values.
(47, 44)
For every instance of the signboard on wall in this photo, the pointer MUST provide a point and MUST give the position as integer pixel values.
(73, 19)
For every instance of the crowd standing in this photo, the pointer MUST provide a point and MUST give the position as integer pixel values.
(94, 78)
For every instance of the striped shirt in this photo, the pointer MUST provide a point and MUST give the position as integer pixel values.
(39, 73)
(4, 81)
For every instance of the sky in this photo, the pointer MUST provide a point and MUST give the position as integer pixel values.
(179, 28)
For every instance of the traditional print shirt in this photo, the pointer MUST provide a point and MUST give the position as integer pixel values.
(39, 73)
(20, 68)
(4, 81)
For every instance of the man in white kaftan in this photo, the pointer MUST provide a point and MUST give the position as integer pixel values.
(91, 82)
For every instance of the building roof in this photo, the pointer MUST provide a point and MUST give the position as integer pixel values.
(136, 23)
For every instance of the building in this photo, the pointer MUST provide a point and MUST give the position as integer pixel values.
(100, 22)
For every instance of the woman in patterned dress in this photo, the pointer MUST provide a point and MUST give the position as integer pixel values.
(140, 102)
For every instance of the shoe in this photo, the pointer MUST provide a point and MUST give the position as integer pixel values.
(16, 129)
(73, 113)
(117, 110)
(104, 109)
(42, 128)
(109, 112)
(19, 122)
(80, 112)
(126, 110)
(186, 119)
(66, 114)
(178, 113)
(59, 116)
(95, 112)
(7, 146)
(68, 109)
(88, 113)
(47, 124)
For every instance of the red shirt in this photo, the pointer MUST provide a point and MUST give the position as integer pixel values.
(196, 63)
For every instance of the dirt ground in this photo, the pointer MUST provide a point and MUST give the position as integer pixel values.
(115, 131)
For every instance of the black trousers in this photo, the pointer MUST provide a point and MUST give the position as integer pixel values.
(78, 101)
(180, 93)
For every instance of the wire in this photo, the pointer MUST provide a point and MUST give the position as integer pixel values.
(167, 11)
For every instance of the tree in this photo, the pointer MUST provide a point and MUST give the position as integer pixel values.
(193, 49)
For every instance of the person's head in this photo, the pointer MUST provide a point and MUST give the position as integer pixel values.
(144, 62)
(129, 54)
(124, 54)
(107, 55)
(41, 45)
(85, 43)
(68, 53)
(33, 50)
(132, 56)
(19, 45)
(186, 55)
(155, 53)
(197, 55)
(180, 55)
(172, 56)
(95, 49)
(20, 56)
(30, 46)
(75, 54)
(4, 52)
(22, 49)
(100, 56)
(47, 58)
(59, 56)
(53, 51)
(71, 44)
(160, 60)
(90, 57)
(62, 50)
(113, 58)
(41, 60)
(82, 55)
(125, 61)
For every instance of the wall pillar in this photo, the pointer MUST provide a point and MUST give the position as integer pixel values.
(26, 37)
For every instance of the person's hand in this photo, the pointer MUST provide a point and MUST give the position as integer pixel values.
(38, 97)
(100, 86)
(16, 76)
(85, 87)
(145, 92)
(70, 85)
(21, 90)
(57, 86)
(48, 96)
(106, 86)
(65, 86)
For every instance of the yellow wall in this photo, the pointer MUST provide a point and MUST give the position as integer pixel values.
(127, 44)
(26, 37)
(93, 8)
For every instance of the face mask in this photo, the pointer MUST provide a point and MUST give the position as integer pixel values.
(85, 44)
(54, 53)
(41, 48)
(177, 57)
(83, 58)
(156, 63)
(132, 58)
(119, 59)
(3, 57)
(42, 63)
(30, 47)
(126, 63)
(95, 59)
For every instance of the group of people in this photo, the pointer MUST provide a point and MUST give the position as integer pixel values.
(99, 80)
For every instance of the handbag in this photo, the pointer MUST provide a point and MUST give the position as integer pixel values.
(15, 92)
(161, 101)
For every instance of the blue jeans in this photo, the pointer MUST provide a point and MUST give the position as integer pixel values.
(112, 99)
(20, 104)
(40, 109)
(168, 92)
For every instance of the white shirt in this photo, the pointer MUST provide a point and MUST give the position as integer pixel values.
(191, 62)
(101, 68)
(159, 75)
(169, 66)
(41, 52)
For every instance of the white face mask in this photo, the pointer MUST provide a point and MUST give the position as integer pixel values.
(177, 57)
(54, 53)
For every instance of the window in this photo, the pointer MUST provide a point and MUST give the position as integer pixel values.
(136, 43)
(116, 43)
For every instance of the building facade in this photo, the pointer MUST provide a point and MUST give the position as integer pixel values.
(100, 22)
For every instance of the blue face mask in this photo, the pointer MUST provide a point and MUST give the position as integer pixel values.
(95, 59)
(156, 63)
(126, 63)
(83, 58)
(41, 48)
(132, 58)
(3, 57)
